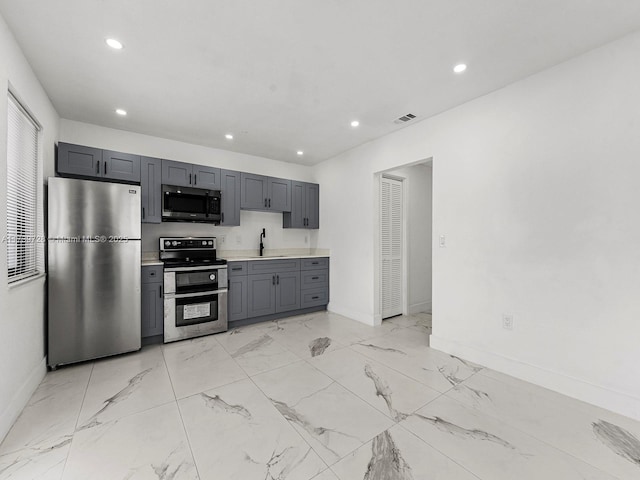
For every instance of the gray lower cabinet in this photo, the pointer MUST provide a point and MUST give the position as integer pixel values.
(151, 189)
(265, 193)
(152, 302)
(264, 288)
(93, 163)
(230, 203)
(305, 206)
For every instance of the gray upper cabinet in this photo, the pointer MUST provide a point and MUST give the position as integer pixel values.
(78, 160)
(175, 173)
(94, 163)
(254, 192)
(206, 177)
(265, 193)
(305, 210)
(121, 166)
(230, 190)
(151, 189)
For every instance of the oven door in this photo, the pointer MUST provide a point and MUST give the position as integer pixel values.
(194, 314)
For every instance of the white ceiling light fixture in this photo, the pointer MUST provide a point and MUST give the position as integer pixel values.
(355, 123)
(113, 43)
(300, 152)
(459, 68)
(228, 136)
(121, 112)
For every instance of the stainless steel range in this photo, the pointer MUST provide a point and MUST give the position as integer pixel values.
(195, 288)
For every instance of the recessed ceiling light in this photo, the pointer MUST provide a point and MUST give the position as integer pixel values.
(120, 111)
(461, 67)
(113, 43)
(355, 123)
(228, 136)
(300, 152)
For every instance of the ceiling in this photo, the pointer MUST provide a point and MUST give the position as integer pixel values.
(288, 75)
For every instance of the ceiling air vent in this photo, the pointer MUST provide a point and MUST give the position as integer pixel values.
(405, 118)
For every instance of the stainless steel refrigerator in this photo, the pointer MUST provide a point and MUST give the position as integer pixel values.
(93, 261)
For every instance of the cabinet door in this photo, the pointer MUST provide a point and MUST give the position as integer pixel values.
(296, 217)
(152, 310)
(279, 198)
(206, 177)
(121, 166)
(230, 190)
(287, 291)
(78, 160)
(312, 204)
(261, 295)
(179, 174)
(254, 192)
(237, 298)
(151, 189)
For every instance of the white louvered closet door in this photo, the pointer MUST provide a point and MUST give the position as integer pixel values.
(391, 246)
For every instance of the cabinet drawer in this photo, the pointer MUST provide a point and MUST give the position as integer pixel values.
(315, 279)
(236, 268)
(315, 297)
(315, 263)
(273, 266)
(152, 274)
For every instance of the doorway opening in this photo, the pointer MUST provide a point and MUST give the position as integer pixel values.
(403, 241)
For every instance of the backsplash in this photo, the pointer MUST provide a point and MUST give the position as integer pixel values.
(246, 237)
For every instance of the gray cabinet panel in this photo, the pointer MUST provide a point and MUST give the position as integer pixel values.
(279, 198)
(177, 173)
(152, 274)
(273, 266)
(121, 166)
(314, 279)
(314, 297)
(254, 192)
(151, 189)
(237, 268)
(261, 295)
(312, 203)
(287, 291)
(78, 160)
(237, 297)
(206, 177)
(152, 310)
(230, 190)
(314, 263)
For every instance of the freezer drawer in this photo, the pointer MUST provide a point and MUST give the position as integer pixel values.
(94, 300)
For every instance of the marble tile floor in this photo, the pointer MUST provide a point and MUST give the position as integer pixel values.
(311, 397)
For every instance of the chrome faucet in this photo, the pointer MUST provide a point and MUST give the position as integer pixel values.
(262, 235)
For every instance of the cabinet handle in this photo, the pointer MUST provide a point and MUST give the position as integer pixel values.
(98, 167)
(152, 274)
(315, 263)
(273, 280)
(265, 203)
(105, 168)
(269, 203)
(236, 269)
(195, 178)
(277, 279)
(189, 179)
(315, 278)
(160, 291)
(143, 215)
(222, 217)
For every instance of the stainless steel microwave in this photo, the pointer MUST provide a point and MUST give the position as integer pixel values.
(186, 204)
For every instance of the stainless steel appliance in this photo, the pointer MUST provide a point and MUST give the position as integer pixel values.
(195, 288)
(93, 270)
(186, 204)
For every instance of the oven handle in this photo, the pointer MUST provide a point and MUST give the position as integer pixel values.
(196, 294)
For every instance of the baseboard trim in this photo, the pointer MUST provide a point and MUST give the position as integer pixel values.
(21, 398)
(350, 313)
(419, 308)
(609, 399)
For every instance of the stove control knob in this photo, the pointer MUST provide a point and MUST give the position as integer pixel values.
(212, 276)
(174, 243)
(167, 243)
(210, 242)
(204, 242)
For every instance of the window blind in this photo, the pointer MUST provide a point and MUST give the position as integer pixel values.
(25, 251)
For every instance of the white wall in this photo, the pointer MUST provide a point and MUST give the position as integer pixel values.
(536, 188)
(22, 309)
(251, 223)
(417, 235)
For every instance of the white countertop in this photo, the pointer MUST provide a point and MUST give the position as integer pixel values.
(150, 263)
(272, 257)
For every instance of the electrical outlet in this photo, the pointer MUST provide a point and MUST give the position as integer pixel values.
(221, 239)
(443, 241)
(507, 322)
